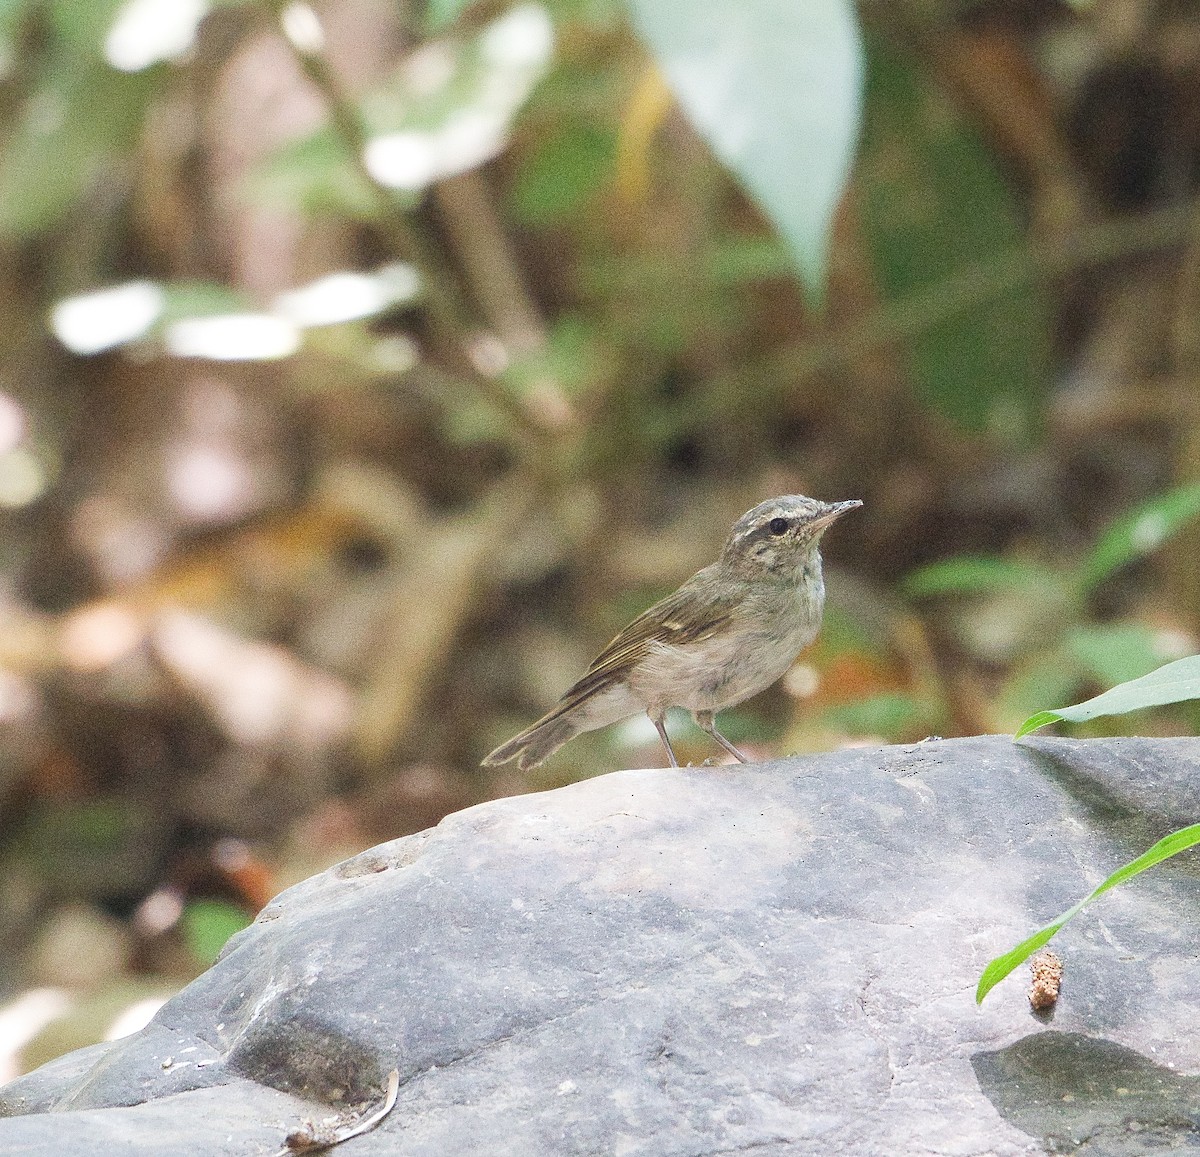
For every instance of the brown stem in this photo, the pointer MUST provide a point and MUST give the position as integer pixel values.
(486, 257)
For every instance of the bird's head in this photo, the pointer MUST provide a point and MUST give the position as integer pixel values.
(779, 536)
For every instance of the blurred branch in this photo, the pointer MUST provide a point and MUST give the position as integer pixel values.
(487, 259)
(450, 316)
(455, 566)
(497, 285)
(1041, 260)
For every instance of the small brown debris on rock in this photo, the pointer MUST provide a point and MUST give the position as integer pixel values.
(312, 1137)
(1047, 971)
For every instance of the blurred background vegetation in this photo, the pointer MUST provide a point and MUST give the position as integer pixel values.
(365, 366)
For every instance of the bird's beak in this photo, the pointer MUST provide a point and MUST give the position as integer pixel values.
(833, 511)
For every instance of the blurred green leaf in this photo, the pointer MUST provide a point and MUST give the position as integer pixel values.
(440, 14)
(974, 574)
(728, 263)
(775, 88)
(1174, 683)
(999, 968)
(1140, 533)
(889, 716)
(208, 924)
(82, 25)
(1115, 653)
(1049, 677)
(564, 171)
(934, 202)
(314, 175)
(72, 132)
(569, 357)
(186, 299)
(11, 14)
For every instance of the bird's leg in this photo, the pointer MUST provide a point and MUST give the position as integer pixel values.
(661, 727)
(704, 720)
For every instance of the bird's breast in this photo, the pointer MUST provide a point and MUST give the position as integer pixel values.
(750, 653)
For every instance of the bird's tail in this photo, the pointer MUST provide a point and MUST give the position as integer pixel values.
(537, 742)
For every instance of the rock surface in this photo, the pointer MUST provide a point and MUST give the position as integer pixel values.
(776, 959)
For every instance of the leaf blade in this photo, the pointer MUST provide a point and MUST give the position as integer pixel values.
(1175, 682)
(1139, 533)
(775, 88)
(1003, 965)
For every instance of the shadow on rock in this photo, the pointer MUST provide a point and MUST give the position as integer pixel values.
(1082, 1094)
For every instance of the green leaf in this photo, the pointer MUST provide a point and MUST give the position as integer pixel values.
(1174, 683)
(774, 87)
(890, 716)
(314, 175)
(565, 170)
(1140, 533)
(208, 924)
(935, 202)
(973, 574)
(999, 968)
(440, 14)
(1116, 653)
(186, 299)
(71, 133)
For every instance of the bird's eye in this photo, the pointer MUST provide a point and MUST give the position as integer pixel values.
(779, 526)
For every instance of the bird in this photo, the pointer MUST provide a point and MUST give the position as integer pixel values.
(726, 634)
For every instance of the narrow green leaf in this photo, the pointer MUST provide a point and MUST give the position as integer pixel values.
(1140, 533)
(775, 88)
(972, 574)
(1001, 966)
(1040, 719)
(1174, 683)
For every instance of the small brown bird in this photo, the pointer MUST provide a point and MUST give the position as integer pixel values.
(729, 632)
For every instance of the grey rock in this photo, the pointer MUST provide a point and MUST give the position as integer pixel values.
(774, 959)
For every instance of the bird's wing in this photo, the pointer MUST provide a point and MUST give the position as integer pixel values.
(693, 613)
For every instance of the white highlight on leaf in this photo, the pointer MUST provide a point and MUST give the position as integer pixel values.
(523, 38)
(91, 322)
(148, 31)
(302, 26)
(430, 69)
(514, 52)
(12, 424)
(346, 296)
(22, 478)
(406, 160)
(1149, 531)
(234, 337)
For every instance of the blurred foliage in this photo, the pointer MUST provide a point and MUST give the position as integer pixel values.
(437, 340)
(1058, 649)
(208, 924)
